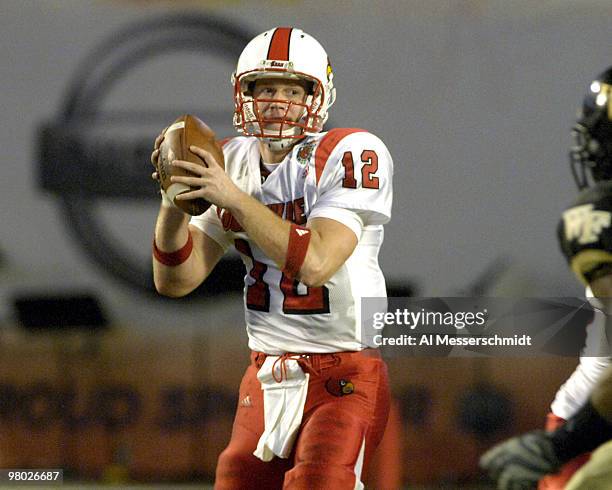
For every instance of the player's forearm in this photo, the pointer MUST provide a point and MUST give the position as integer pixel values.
(590, 426)
(172, 234)
(576, 390)
(319, 264)
(171, 228)
(602, 396)
(271, 233)
(267, 230)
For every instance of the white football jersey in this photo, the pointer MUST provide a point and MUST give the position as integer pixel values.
(575, 392)
(344, 175)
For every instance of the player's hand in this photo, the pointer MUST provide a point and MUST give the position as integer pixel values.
(518, 463)
(155, 154)
(212, 182)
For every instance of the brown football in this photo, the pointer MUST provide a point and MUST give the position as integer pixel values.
(185, 131)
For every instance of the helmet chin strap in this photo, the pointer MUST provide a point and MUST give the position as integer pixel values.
(279, 144)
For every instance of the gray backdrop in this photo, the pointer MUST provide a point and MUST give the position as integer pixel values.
(474, 100)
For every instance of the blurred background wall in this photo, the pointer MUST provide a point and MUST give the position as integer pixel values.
(474, 99)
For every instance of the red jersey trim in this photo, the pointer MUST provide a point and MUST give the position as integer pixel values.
(327, 145)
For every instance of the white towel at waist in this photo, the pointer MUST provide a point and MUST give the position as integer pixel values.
(283, 406)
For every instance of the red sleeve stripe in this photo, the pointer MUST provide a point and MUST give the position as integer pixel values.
(279, 45)
(327, 145)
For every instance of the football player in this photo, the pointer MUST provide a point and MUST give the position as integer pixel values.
(586, 240)
(521, 461)
(305, 209)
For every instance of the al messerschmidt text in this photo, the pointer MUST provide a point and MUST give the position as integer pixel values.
(445, 339)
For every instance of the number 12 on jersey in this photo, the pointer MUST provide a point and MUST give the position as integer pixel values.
(370, 160)
(314, 301)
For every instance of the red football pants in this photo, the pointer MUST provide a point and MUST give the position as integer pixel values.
(347, 403)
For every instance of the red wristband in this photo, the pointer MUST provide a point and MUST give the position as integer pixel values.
(299, 238)
(173, 259)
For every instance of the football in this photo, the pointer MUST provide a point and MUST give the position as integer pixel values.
(185, 131)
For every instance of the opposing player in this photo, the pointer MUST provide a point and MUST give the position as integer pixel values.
(591, 162)
(305, 209)
(586, 241)
(519, 462)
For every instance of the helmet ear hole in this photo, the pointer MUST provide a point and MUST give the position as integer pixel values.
(249, 88)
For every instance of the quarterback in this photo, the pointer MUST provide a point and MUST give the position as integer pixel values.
(305, 209)
(585, 235)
